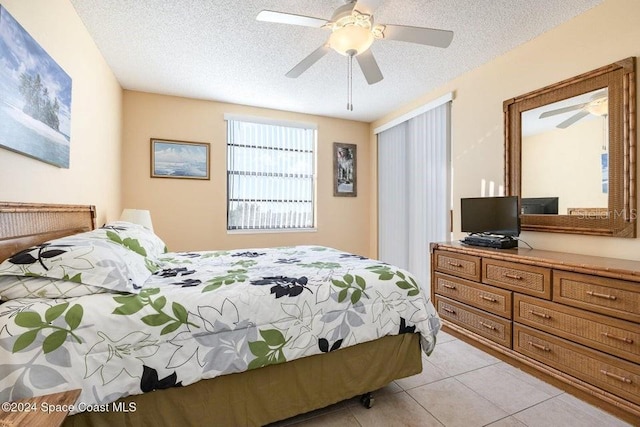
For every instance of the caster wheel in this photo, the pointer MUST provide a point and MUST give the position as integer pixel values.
(367, 400)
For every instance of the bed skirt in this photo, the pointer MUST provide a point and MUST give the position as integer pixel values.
(272, 393)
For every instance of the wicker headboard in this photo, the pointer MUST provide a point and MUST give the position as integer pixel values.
(26, 224)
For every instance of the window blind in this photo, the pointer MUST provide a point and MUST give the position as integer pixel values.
(414, 189)
(270, 175)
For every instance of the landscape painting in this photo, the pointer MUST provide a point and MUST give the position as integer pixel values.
(35, 97)
(179, 159)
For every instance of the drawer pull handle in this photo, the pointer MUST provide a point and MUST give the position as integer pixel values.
(448, 286)
(486, 298)
(617, 377)
(488, 326)
(454, 264)
(543, 315)
(605, 296)
(613, 337)
(539, 347)
(513, 276)
(448, 310)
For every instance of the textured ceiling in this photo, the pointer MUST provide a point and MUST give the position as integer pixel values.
(216, 50)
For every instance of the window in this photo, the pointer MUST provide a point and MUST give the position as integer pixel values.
(270, 174)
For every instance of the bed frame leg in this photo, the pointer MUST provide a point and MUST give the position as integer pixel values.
(367, 400)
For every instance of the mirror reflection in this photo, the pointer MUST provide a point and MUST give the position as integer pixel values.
(565, 156)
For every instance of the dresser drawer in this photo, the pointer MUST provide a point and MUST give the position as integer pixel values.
(487, 325)
(609, 335)
(493, 300)
(601, 370)
(527, 279)
(460, 265)
(616, 298)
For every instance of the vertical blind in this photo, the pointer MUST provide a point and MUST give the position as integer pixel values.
(270, 175)
(414, 190)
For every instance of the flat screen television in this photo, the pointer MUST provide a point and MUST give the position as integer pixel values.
(539, 205)
(491, 215)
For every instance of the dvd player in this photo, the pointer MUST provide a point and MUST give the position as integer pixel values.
(489, 241)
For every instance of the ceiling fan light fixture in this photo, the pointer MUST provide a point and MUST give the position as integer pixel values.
(349, 38)
(598, 107)
(353, 31)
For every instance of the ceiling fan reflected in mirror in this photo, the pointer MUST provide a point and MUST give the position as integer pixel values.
(598, 105)
(353, 31)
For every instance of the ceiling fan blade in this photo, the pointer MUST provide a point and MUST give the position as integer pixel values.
(367, 6)
(600, 94)
(307, 62)
(571, 120)
(291, 19)
(344, 10)
(369, 67)
(420, 35)
(562, 110)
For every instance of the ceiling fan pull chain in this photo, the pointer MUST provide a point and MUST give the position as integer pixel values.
(350, 82)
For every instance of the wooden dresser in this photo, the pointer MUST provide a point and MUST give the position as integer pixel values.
(572, 316)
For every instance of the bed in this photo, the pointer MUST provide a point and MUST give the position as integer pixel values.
(244, 337)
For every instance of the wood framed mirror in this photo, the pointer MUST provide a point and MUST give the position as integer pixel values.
(570, 153)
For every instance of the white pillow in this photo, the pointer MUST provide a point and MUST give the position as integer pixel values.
(119, 257)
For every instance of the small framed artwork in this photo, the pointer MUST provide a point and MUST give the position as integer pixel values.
(345, 170)
(179, 159)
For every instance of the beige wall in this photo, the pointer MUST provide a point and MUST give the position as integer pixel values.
(600, 36)
(94, 173)
(573, 173)
(191, 214)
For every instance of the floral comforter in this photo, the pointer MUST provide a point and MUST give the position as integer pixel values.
(205, 314)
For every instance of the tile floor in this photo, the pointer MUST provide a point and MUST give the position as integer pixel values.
(463, 386)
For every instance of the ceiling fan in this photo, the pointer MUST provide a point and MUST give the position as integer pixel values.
(353, 31)
(598, 105)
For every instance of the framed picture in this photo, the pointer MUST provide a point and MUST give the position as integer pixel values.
(345, 170)
(35, 100)
(179, 159)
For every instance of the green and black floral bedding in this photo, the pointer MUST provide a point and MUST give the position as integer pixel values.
(112, 314)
